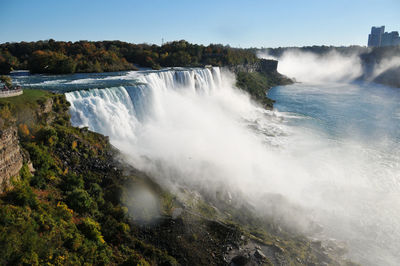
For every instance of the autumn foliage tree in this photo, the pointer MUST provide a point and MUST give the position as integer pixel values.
(51, 62)
(66, 57)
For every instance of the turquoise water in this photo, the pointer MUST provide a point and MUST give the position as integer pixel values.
(350, 135)
(363, 111)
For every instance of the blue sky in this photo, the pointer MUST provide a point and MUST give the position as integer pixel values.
(251, 23)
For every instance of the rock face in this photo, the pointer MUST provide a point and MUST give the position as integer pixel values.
(46, 107)
(378, 58)
(263, 66)
(390, 77)
(10, 156)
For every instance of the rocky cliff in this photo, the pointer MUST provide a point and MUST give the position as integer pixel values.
(258, 78)
(21, 112)
(10, 156)
(262, 66)
(381, 65)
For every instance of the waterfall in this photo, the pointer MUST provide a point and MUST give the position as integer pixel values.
(185, 118)
(115, 111)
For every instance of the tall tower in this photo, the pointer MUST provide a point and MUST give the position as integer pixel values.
(375, 38)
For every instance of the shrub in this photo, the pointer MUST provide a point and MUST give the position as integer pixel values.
(23, 130)
(22, 195)
(42, 178)
(5, 112)
(6, 80)
(97, 193)
(47, 135)
(71, 182)
(91, 229)
(25, 174)
(40, 156)
(135, 259)
(79, 200)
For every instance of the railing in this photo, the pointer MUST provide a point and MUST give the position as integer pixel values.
(10, 93)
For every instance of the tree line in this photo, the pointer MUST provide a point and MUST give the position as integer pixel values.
(58, 57)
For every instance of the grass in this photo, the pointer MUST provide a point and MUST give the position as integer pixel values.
(30, 97)
(23, 108)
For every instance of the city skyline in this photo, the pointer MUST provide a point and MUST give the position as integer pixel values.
(237, 23)
(378, 37)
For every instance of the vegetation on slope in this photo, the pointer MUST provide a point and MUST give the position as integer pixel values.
(68, 211)
(6, 80)
(257, 84)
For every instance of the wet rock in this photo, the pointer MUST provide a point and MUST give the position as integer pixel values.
(259, 255)
(240, 260)
(176, 213)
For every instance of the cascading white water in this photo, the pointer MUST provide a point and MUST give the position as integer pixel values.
(185, 119)
(187, 127)
(120, 112)
(192, 127)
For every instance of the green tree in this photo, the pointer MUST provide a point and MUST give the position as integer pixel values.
(79, 200)
(51, 62)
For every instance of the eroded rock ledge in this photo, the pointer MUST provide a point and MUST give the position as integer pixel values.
(10, 156)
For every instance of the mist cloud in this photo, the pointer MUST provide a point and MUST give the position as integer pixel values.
(384, 65)
(315, 68)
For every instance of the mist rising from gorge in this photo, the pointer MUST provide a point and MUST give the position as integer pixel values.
(194, 129)
(330, 66)
(311, 67)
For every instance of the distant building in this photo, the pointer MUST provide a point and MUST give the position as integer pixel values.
(375, 38)
(379, 37)
(389, 39)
